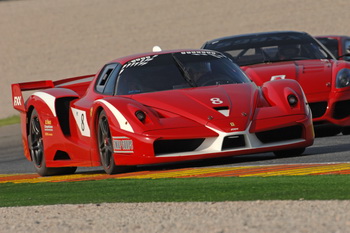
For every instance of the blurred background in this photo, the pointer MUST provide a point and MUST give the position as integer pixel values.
(56, 39)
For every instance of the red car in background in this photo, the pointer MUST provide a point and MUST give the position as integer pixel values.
(295, 55)
(339, 46)
(159, 107)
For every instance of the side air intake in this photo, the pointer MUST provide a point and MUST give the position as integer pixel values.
(176, 146)
(281, 134)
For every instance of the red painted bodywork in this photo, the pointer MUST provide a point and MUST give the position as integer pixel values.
(173, 114)
(317, 78)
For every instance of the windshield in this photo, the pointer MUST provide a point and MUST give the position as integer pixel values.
(178, 70)
(272, 47)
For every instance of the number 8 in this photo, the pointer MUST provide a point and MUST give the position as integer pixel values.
(216, 101)
(82, 122)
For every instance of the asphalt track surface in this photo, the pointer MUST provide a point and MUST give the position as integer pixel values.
(328, 155)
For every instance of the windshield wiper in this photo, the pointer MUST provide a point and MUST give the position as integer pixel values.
(183, 70)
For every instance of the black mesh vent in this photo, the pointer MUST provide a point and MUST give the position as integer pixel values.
(62, 110)
(176, 146)
(341, 109)
(61, 155)
(221, 108)
(318, 109)
(317, 123)
(282, 134)
(233, 141)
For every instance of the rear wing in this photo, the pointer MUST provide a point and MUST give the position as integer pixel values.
(18, 88)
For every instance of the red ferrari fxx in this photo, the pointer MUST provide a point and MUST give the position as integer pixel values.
(294, 55)
(339, 46)
(159, 107)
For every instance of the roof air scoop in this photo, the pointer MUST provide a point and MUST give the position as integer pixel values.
(156, 48)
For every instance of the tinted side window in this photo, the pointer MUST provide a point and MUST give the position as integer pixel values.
(110, 85)
(105, 82)
(347, 49)
(331, 45)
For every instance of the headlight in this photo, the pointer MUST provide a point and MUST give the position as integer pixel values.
(292, 100)
(140, 115)
(343, 78)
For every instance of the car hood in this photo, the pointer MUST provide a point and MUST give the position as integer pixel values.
(315, 76)
(223, 107)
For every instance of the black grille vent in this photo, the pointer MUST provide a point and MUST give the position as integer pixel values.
(318, 109)
(61, 155)
(176, 146)
(341, 109)
(62, 110)
(221, 108)
(233, 141)
(282, 134)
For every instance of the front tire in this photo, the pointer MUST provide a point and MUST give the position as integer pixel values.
(36, 147)
(327, 131)
(105, 146)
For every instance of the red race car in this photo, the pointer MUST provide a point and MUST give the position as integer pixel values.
(296, 55)
(159, 107)
(339, 46)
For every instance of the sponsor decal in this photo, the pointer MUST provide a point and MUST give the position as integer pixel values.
(205, 53)
(232, 124)
(141, 61)
(48, 128)
(17, 101)
(122, 144)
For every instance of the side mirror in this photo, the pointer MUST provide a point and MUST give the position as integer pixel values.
(346, 56)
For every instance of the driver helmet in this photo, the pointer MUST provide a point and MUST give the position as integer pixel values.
(199, 69)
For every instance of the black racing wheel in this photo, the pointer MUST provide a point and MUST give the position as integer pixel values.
(105, 146)
(36, 147)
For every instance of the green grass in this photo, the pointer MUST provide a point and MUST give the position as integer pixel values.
(324, 187)
(10, 120)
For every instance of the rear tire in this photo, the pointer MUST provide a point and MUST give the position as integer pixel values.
(37, 153)
(327, 131)
(105, 146)
(289, 153)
